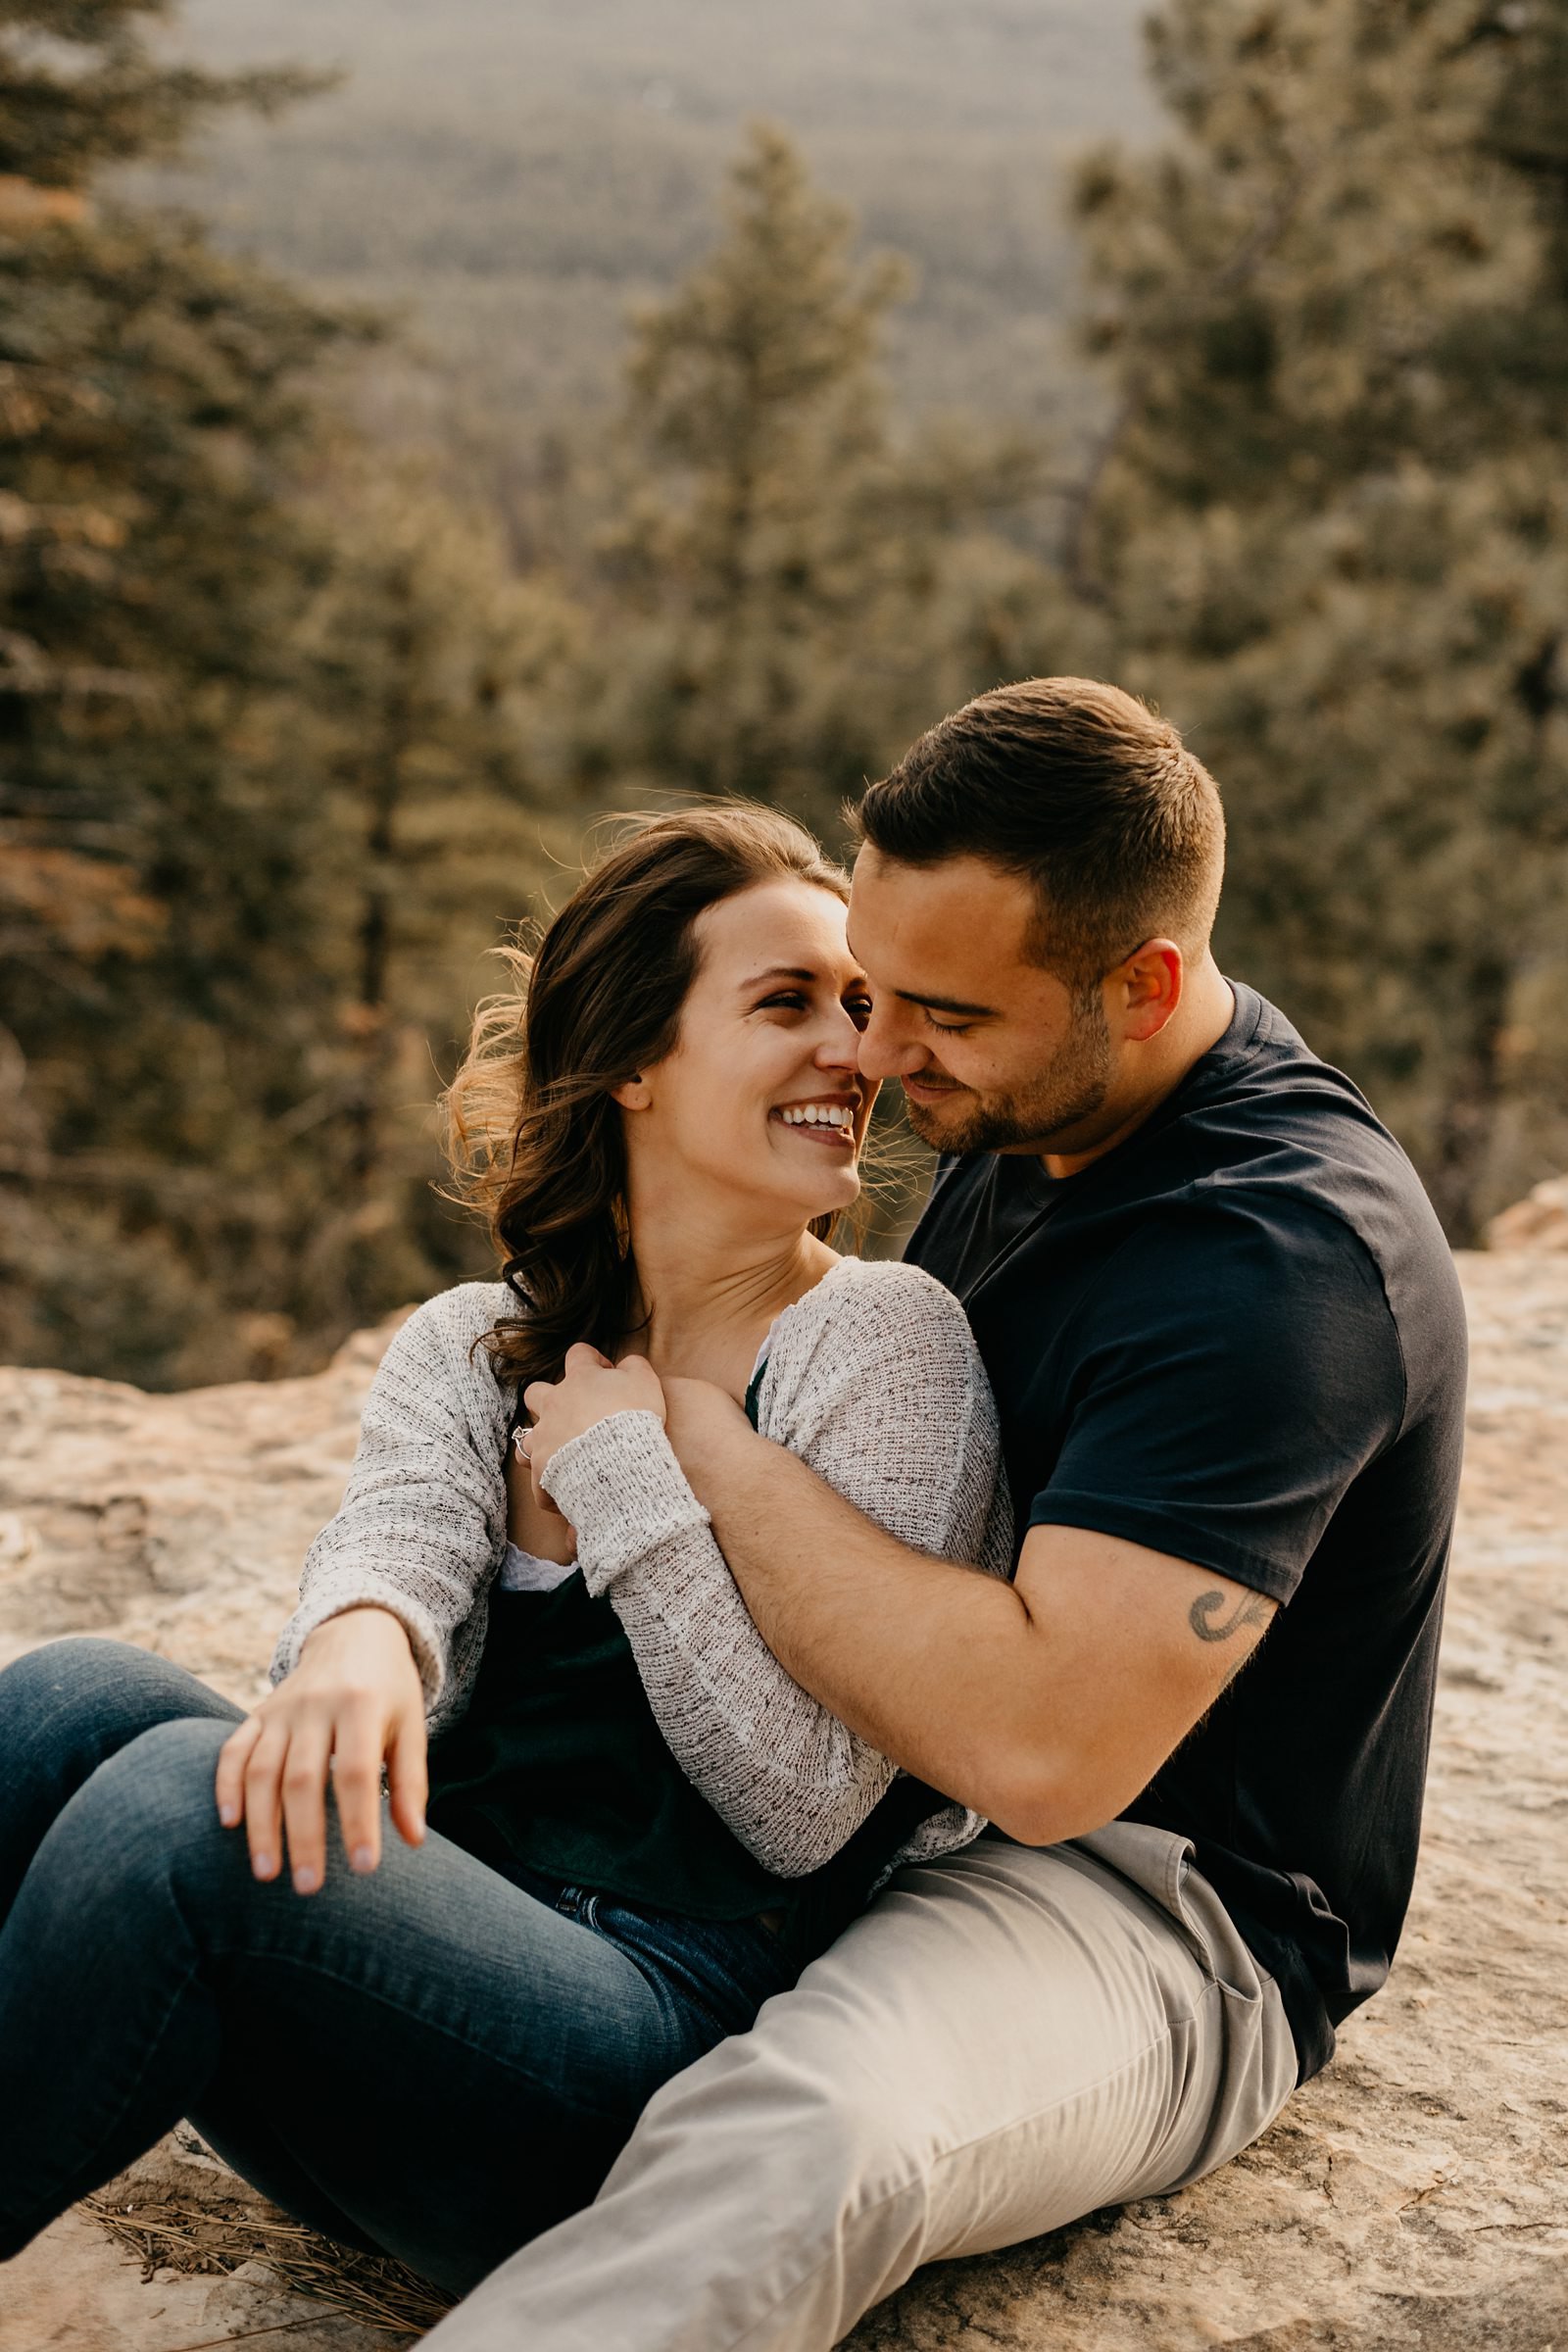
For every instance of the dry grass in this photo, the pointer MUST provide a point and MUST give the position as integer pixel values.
(200, 2241)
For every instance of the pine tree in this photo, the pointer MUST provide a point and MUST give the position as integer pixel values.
(1327, 528)
(433, 665)
(787, 590)
(148, 398)
(244, 730)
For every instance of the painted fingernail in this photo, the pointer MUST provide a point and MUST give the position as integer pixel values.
(361, 1858)
(306, 1879)
(261, 1865)
(229, 1815)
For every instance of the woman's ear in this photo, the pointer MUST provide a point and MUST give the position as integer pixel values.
(632, 1094)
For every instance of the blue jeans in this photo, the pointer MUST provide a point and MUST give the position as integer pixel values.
(431, 2061)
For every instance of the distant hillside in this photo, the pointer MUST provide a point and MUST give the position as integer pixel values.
(519, 171)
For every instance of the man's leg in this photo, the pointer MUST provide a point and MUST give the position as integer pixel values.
(1006, 2041)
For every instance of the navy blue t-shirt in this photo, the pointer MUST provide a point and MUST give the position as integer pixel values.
(1239, 1339)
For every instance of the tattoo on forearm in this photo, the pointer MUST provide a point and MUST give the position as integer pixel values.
(1204, 1620)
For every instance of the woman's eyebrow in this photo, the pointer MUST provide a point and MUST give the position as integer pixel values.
(779, 971)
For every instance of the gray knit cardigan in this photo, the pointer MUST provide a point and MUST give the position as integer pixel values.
(872, 1378)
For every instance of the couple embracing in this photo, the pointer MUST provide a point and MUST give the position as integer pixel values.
(881, 1759)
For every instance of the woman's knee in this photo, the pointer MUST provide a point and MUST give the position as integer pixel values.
(81, 1665)
(167, 1775)
(65, 1709)
(112, 1689)
(137, 1849)
(149, 1812)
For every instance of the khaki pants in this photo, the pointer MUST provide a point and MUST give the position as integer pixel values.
(1006, 2040)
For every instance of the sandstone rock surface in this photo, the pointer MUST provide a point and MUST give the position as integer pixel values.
(1537, 1222)
(1413, 2200)
(175, 1521)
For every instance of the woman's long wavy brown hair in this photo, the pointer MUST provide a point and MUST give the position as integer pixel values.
(533, 1139)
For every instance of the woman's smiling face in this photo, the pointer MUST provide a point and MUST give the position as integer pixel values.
(762, 1096)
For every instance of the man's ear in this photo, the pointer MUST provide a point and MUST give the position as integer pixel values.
(1151, 983)
(632, 1094)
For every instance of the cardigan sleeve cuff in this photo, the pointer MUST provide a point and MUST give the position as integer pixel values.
(622, 1491)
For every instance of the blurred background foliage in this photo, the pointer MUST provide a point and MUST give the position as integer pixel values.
(324, 634)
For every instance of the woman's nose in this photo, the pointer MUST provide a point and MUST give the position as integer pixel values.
(838, 1037)
(840, 1048)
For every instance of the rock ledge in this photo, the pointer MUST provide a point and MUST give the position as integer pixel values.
(1414, 2200)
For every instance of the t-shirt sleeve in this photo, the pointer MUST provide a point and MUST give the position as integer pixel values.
(1238, 1368)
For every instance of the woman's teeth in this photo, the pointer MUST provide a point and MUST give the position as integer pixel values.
(818, 1114)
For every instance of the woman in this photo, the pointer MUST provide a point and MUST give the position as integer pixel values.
(640, 1827)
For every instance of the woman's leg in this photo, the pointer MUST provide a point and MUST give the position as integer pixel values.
(452, 2063)
(63, 1709)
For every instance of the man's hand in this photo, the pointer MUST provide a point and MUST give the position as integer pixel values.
(702, 1422)
(353, 1698)
(589, 1391)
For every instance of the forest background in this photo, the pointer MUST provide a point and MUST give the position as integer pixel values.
(357, 552)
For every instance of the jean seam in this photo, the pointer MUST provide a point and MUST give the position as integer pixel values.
(651, 1974)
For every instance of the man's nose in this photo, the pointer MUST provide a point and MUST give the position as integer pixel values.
(885, 1050)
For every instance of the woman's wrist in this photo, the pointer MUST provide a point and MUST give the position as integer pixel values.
(351, 1623)
(589, 1465)
(590, 1392)
(621, 1490)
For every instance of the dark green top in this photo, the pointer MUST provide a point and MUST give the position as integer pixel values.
(559, 1764)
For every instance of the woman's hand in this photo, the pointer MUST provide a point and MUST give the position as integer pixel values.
(353, 1698)
(590, 1389)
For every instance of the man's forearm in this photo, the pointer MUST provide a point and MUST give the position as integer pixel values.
(1046, 1704)
(915, 1653)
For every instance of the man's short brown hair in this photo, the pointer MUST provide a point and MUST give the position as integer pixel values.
(1082, 789)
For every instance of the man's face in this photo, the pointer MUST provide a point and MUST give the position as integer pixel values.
(996, 1055)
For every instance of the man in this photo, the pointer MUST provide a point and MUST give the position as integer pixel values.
(1228, 1351)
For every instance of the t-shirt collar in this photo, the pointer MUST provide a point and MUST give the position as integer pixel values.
(1248, 1013)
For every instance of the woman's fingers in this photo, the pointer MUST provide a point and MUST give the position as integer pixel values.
(407, 1778)
(355, 1698)
(263, 1776)
(356, 1752)
(303, 1786)
(232, 1758)
(283, 1768)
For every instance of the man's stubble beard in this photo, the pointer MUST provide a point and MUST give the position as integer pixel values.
(1070, 1091)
